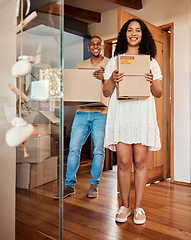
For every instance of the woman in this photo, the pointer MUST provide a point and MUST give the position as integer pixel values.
(131, 128)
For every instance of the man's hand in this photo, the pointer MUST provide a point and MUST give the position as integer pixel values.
(99, 73)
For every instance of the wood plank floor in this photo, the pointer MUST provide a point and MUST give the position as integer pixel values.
(167, 206)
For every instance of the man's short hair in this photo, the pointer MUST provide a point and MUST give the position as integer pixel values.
(95, 37)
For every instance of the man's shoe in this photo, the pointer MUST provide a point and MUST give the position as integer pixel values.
(67, 191)
(139, 216)
(122, 214)
(93, 192)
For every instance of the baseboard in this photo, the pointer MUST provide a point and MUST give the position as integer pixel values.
(182, 183)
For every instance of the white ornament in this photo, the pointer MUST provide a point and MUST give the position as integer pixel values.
(18, 122)
(21, 68)
(19, 133)
(31, 59)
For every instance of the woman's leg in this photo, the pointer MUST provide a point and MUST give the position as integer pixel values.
(140, 154)
(124, 161)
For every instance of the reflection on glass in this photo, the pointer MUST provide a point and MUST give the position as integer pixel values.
(37, 176)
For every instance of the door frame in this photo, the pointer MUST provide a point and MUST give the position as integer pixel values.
(170, 27)
(107, 52)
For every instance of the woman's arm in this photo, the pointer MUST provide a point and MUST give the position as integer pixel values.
(156, 88)
(155, 85)
(111, 83)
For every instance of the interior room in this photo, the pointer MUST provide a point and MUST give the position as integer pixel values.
(53, 36)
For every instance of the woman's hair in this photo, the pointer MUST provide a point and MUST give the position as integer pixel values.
(147, 45)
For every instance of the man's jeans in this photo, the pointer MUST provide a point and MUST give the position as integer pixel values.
(85, 123)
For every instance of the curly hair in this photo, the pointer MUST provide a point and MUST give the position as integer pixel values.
(147, 45)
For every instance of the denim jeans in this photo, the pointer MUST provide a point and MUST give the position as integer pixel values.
(85, 123)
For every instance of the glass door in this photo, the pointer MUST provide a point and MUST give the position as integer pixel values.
(39, 104)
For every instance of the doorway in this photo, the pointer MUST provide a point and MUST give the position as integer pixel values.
(162, 162)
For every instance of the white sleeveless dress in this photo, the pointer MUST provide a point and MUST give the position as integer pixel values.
(132, 121)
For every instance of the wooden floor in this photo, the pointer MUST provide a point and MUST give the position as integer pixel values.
(167, 206)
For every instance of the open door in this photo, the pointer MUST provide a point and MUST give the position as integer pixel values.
(159, 161)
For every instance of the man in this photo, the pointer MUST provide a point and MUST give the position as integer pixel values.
(88, 120)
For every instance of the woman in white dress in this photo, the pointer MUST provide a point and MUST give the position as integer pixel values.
(131, 127)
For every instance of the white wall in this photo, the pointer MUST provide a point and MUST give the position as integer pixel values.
(73, 50)
(43, 43)
(107, 28)
(7, 112)
(159, 13)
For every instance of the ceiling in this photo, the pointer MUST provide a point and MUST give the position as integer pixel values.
(98, 6)
(77, 13)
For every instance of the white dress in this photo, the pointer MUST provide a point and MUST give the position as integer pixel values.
(132, 121)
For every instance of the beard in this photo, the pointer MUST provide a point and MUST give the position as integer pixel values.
(96, 56)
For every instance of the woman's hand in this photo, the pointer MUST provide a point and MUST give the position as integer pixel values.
(116, 77)
(155, 86)
(149, 77)
(112, 82)
(98, 74)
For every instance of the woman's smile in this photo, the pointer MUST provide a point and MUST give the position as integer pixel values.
(134, 34)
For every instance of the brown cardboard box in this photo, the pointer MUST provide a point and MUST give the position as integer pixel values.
(42, 129)
(37, 147)
(134, 84)
(39, 105)
(80, 87)
(40, 117)
(30, 175)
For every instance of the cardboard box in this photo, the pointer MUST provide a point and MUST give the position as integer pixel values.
(30, 175)
(40, 90)
(42, 129)
(51, 103)
(134, 84)
(40, 117)
(38, 149)
(80, 87)
(48, 85)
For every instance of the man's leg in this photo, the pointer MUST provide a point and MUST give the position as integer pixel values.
(98, 134)
(79, 134)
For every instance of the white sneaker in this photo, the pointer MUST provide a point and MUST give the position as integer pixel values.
(139, 216)
(122, 214)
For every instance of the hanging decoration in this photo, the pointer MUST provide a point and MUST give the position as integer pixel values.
(21, 130)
